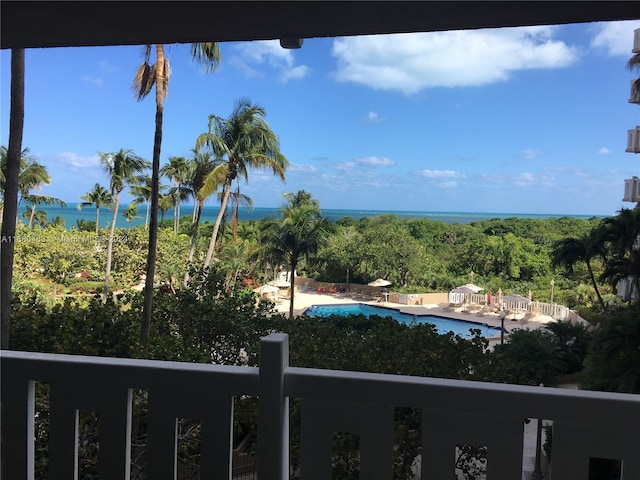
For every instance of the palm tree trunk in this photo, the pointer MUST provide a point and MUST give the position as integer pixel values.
(292, 287)
(216, 227)
(595, 286)
(31, 215)
(147, 308)
(110, 248)
(194, 240)
(10, 210)
(176, 208)
(97, 221)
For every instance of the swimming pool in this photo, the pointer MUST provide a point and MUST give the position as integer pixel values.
(443, 325)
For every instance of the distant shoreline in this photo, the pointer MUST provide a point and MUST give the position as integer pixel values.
(71, 214)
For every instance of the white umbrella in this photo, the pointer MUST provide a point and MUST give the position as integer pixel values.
(516, 298)
(380, 282)
(470, 287)
(279, 282)
(266, 289)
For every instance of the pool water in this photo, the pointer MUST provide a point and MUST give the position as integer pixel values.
(443, 325)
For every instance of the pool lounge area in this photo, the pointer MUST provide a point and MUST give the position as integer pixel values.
(443, 324)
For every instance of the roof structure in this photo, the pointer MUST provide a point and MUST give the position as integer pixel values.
(26, 24)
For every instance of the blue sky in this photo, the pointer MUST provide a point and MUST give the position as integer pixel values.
(524, 120)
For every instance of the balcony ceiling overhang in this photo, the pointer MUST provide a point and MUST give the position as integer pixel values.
(29, 24)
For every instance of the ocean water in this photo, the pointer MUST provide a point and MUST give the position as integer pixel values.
(71, 214)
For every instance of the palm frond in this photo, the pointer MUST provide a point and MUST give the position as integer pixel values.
(166, 73)
(635, 91)
(143, 80)
(634, 63)
(213, 180)
(207, 54)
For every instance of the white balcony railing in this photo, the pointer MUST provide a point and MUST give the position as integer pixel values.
(585, 424)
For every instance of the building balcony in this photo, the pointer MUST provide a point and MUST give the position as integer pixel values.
(586, 424)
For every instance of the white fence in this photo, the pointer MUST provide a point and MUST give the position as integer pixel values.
(585, 424)
(559, 312)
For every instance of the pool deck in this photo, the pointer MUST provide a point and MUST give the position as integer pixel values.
(304, 299)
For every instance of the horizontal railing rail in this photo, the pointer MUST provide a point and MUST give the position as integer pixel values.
(585, 424)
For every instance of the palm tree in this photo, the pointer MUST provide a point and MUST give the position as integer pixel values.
(203, 164)
(298, 234)
(243, 141)
(58, 221)
(39, 216)
(141, 191)
(35, 200)
(569, 251)
(130, 213)
(622, 236)
(122, 167)
(236, 199)
(177, 170)
(31, 174)
(98, 196)
(634, 65)
(208, 54)
(165, 202)
(10, 188)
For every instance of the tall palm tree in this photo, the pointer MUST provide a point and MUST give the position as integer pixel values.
(207, 54)
(203, 165)
(243, 141)
(10, 189)
(177, 170)
(98, 196)
(569, 251)
(299, 233)
(123, 167)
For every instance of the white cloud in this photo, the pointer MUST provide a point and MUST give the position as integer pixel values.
(615, 38)
(296, 167)
(524, 179)
(440, 174)
(106, 66)
(376, 161)
(531, 154)
(604, 151)
(343, 166)
(94, 80)
(267, 53)
(75, 161)
(410, 63)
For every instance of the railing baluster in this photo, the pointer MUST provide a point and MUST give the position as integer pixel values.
(315, 441)
(115, 435)
(216, 440)
(162, 436)
(63, 433)
(273, 405)
(18, 400)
